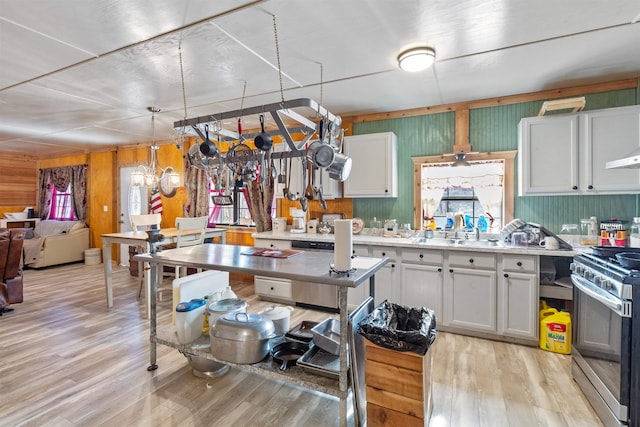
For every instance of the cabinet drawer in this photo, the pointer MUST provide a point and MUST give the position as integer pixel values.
(384, 251)
(269, 286)
(520, 263)
(272, 243)
(361, 250)
(472, 259)
(422, 256)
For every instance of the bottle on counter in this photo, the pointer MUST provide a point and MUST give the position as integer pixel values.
(634, 236)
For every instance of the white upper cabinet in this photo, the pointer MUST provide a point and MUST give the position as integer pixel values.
(566, 154)
(374, 171)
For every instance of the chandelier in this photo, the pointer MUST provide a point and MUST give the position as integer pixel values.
(152, 175)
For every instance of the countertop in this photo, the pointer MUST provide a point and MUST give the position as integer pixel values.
(436, 243)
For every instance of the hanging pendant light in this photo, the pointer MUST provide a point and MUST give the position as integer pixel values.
(460, 160)
(153, 175)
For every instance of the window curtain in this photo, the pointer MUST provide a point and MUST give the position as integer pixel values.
(60, 179)
(260, 200)
(198, 192)
(485, 177)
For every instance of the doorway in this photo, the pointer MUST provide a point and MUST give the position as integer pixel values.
(133, 201)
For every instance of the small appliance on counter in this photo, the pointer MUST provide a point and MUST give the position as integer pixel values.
(298, 223)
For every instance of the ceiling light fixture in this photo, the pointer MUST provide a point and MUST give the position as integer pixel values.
(460, 161)
(152, 175)
(417, 58)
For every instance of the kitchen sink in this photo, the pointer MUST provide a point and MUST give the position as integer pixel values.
(460, 242)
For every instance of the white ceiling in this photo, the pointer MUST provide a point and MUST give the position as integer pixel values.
(78, 75)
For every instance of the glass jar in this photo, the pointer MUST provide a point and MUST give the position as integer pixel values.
(634, 236)
(588, 232)
(376, 227)
(570, 233)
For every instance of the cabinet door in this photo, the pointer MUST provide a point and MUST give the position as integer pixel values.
(374, 170)
(518, 305)
(470, 299)
(608, 135)
(387, 284)
(422, 287)
(548, 155)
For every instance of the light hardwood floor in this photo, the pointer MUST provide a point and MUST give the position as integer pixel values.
(67, 360)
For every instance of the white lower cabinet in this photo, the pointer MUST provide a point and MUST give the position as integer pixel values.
(422, 286)
(518, 295)
(270, 288)
(470, 299)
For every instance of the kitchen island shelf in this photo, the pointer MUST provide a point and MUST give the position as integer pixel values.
(313, 267)
(266, 367)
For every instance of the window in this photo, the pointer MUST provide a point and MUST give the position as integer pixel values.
(236, 213)
(479, 195)
(62, 205)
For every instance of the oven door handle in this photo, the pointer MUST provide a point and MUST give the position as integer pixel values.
(596, 294)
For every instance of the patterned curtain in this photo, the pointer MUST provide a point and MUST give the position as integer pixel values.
(60, 178)
(197, 183)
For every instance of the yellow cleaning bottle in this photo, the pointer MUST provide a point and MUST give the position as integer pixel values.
(555, 331)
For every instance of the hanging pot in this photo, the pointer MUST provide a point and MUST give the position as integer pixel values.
(208, 148)
(263, 140)
(320, 155)
(340, 169)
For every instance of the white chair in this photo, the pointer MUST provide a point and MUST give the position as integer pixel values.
(143, 223)
(191, 232)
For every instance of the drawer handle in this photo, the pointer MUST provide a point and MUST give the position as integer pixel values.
(451, 270)
(506, 275)
(470, 260)
(393, 266)
(421, 256)
(590, 187)
(272, 288)
(272, 245)
(519, 263)
(439, 270)
(384, 254)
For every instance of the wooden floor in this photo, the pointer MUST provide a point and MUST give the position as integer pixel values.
(67, 360)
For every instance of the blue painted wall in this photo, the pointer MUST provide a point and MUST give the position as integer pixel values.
(490, 129)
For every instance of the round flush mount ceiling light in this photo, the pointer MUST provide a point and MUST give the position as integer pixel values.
(417, 58)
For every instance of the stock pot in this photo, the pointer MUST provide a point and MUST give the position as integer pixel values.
(241, 337)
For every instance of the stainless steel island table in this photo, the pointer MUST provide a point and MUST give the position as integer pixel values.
(311, 267)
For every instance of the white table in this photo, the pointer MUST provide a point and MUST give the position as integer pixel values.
(139, 239)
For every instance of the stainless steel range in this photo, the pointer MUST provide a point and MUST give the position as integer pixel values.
(606, 337)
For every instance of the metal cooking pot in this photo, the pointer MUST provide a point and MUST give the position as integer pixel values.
(629, 260)
(320, 155)
(221, 307)
(241, 337)
(340, 169)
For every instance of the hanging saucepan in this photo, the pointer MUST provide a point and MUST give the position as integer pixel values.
(263, 140)
(320, 155)
(340, 169)
(208, 148)
(287, 353)
(195, 157)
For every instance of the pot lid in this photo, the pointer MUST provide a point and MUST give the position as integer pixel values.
(276, 312)
(228, 304)
(240, 326)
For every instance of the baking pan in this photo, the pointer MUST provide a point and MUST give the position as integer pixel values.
(302, 331)
(326, 335)
(319, 362)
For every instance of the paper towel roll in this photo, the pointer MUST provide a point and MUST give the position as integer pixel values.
(343, 248)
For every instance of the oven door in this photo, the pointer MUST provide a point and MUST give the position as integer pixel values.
(602, 343)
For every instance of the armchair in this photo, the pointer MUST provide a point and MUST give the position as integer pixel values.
(10, 267)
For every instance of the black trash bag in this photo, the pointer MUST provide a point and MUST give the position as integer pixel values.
(400, 328)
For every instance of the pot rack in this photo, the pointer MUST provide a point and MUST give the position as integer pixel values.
(289, 117)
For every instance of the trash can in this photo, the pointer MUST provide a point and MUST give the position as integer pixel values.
(92, 256)
(398, 364)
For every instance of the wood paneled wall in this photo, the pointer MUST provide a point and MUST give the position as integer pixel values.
(18, 174)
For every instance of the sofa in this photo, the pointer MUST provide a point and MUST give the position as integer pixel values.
(56, 242)
(10, 267)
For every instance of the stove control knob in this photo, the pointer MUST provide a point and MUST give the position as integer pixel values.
(606, 285)
(572, 266)
(588, 275)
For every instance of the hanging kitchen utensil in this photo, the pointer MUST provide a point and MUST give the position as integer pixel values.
(287, 190)
(340, 168)
(207, 147)
(263, 140)
(308, 191)
(323, 202)
(282, 176)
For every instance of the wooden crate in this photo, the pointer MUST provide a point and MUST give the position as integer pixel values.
(398, 387)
